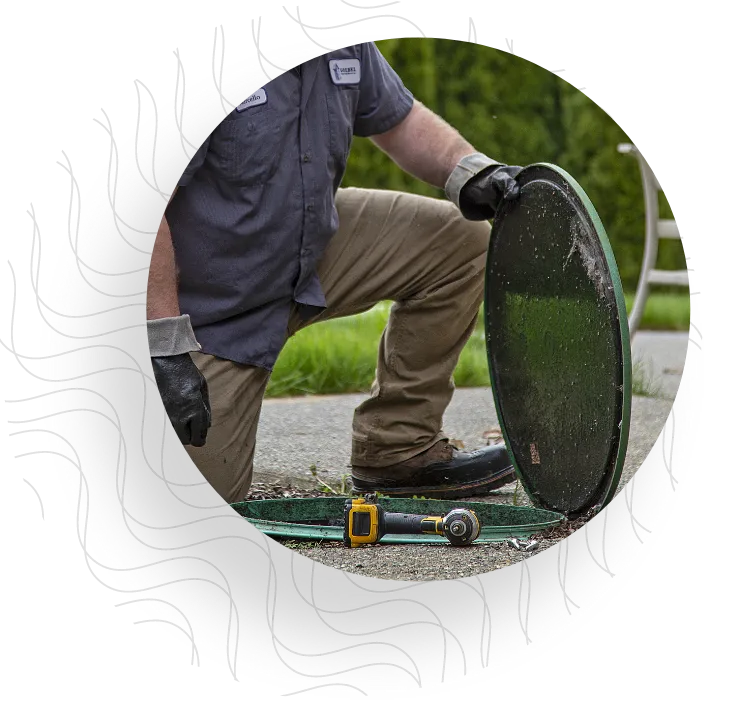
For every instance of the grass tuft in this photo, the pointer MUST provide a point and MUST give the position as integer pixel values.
(645, 381)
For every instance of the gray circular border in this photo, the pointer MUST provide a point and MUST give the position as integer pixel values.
(213, 574)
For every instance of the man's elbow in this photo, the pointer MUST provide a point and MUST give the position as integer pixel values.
(389, 140)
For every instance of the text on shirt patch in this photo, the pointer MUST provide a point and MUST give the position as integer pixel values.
(345, 71)
(256, 99)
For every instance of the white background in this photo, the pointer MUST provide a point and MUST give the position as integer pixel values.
(319, 715)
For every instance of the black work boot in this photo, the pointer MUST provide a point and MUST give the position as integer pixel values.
(442, 472)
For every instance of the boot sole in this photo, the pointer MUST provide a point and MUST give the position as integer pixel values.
(448, 491)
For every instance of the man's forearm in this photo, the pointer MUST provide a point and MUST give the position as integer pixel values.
(162, 284)
(424, 145)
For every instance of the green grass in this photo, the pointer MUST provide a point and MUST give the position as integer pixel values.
(664, 311)
(646, 381)
(332, 357)
(339, 356)
(336, 357)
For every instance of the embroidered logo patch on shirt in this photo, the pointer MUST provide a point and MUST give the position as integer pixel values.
(256, 99)
(345, 71)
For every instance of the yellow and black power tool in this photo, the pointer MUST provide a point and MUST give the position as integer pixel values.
(367, 522)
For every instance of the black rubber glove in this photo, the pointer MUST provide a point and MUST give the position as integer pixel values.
(481, 195)
(184, 392)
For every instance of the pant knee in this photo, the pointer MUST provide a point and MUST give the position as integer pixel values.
(474, 237)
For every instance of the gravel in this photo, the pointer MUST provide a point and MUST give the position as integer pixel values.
(419, 562)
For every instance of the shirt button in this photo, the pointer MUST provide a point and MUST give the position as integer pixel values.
(310, 207)
(306, 157)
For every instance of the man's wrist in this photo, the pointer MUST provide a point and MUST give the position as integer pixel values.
(171, 336)
(464, 171)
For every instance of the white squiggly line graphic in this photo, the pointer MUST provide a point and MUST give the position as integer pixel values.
(272, 584)
(668, 462)
(524, 617)
(264, 545)
(126, 515)
(437, 623)
(601, 566)
(562, 573)
(180, 92)
(634, 522)
(486, 615)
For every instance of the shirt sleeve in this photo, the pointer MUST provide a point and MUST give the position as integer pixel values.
(383, 101)
(194, 164)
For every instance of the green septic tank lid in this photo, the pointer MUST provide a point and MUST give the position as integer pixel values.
(557, 342)
(321, 518)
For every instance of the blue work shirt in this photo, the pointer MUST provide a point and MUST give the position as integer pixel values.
(255, 207)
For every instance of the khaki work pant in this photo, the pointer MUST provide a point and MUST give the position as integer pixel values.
(417, 251)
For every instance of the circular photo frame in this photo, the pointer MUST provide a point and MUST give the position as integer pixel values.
(213, 574)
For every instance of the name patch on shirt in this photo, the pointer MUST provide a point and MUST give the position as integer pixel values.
(256, 99)
(345, 71)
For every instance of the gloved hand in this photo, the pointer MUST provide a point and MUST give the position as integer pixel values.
(478, 185)
(184, 392)
(480, 196)
(182, 386)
